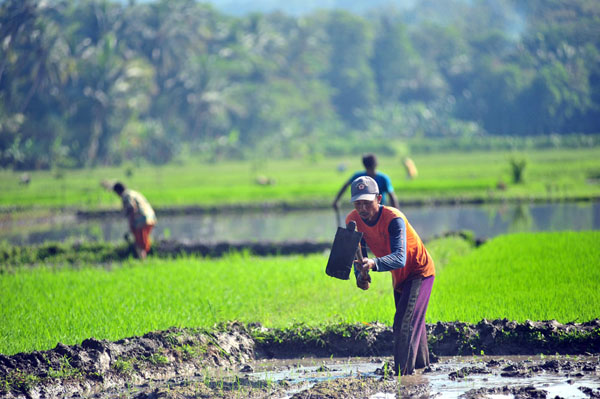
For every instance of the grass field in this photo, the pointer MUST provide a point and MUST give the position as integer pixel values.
(522, 276)
(548, 174)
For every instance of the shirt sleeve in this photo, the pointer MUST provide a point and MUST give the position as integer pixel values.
(397, 258)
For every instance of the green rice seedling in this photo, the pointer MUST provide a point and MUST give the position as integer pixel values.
(539, 276)
(515, 276)
(65, 370)
(158, 359)
(550, 173)
(190, 351)
(123, 366)
(444, 250)
(19, 381)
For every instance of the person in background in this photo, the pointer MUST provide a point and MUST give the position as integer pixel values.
(411, 168)
(140, 215)
(383, 182)
(399, 250)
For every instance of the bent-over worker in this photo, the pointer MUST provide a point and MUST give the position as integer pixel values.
(140, 215)
(399, 250)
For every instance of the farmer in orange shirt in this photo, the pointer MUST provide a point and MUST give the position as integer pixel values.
(140, 215)
(399, 250)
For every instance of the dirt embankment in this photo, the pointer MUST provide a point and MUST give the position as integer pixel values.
(99, 365)
(497, 337)
(100, 368)
(102, 253)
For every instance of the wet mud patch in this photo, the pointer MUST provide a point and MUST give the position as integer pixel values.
(236, 360)
(481, 377)
(99, 365)
(515, 376)
(365, 378)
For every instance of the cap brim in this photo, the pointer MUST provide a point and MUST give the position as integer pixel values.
(363, 197)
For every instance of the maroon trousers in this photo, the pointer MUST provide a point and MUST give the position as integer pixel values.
(410, 333)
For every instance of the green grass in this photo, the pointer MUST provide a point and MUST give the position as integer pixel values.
(522, 276)
(539, 276)
(548, 174)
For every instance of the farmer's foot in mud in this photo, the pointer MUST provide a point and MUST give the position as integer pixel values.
(178, 363)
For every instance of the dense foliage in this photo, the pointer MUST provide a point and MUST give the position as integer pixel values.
(87, 82)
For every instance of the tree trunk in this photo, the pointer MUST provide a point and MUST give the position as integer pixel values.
(92, 152)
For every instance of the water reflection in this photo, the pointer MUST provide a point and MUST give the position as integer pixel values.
(309, 371)
(319, 225)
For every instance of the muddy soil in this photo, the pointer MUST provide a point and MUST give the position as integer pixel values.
(496, 337)
(166, 248)
(102, 253)
(188, 362)
(472, 378)
(105, 253)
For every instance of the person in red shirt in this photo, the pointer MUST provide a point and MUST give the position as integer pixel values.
(399, 250)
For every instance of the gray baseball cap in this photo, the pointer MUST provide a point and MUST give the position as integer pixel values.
(364, 188)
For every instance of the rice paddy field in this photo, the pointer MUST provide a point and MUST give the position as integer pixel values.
(537, 276)
(548, 174)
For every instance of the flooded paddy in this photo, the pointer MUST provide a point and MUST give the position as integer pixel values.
(485, 221)
(237, 361)
(449, 377)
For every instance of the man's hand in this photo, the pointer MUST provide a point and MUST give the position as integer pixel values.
(364, 280)
(366, 265)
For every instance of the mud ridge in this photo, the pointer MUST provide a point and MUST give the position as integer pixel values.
(102, 253)
(496, 337)
(166, 248)
(97, 366)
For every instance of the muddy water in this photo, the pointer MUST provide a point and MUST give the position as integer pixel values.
(485, 221)
(228, 362)
(444, 379)
(559, 384)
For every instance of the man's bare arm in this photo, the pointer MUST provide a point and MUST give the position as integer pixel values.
(394, 200)
(339, 195)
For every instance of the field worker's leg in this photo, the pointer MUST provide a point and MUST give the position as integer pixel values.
(142, 240)
(146, 236)
(409, 324)
(422, 359)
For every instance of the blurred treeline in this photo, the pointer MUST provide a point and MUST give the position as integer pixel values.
(92, 82)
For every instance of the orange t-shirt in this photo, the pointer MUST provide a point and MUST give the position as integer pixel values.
(418, 261)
